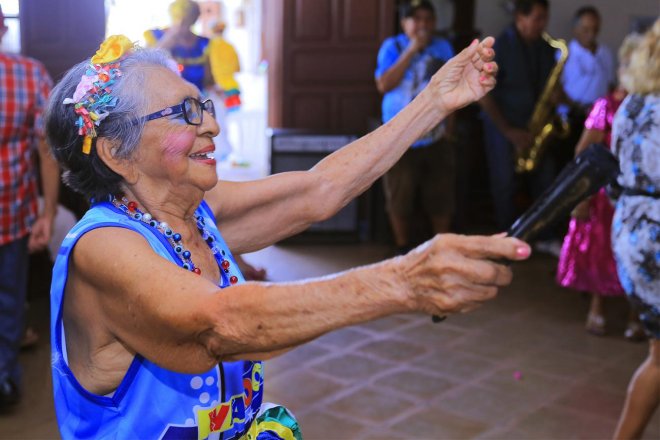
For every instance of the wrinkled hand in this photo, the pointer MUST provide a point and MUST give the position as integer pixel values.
(521, 139)
(456, 273)
(465, 78)
(40, 235)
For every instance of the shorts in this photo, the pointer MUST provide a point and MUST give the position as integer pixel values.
(424, 174)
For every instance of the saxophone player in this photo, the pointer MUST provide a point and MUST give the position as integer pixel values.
(525, 61)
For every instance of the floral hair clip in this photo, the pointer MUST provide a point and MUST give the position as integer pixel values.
(93, 98)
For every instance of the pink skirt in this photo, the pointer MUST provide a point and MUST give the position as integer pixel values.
(586, 262)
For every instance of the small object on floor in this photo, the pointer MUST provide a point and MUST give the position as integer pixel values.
(30, 338)
(517, 375)
(635, 332)
(548, 247)
(9, 395)
(595, 324)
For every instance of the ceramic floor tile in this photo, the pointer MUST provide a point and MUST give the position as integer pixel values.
(371, 405)
(416, 384)
(325, 426)
(456, 364)
(395, 350)
(354, 368)
(433, 335)
(299, 389)
(345, 338)
(434, 424)
(557, 363)
(594, 400)
(484, 404)
(298, 358)
(559, 423)
(386, 325)
(529, 386)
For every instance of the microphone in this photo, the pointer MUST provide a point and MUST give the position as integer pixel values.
(592, 169)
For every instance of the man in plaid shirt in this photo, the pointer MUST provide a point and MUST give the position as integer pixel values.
(24, 88)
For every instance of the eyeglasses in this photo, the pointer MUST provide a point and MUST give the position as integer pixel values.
(192, 108)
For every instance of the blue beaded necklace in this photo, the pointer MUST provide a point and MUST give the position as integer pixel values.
(131, 209)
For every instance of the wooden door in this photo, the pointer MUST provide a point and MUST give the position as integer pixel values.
(322, 57)
(61, 33)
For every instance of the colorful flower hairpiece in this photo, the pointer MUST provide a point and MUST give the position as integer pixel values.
(93, 98)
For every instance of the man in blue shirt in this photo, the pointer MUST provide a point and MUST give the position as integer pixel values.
(426, 172)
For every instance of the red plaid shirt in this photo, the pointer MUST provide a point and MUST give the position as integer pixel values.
(24, 89)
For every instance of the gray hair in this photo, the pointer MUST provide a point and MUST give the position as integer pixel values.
(87, 173)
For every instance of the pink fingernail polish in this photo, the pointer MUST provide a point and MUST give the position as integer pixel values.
(483, 78)
(522, 251)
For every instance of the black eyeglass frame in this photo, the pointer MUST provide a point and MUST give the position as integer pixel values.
(206, 105)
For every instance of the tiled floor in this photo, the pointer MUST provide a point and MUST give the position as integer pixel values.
(520, 367)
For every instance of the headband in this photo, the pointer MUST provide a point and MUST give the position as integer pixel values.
(93, 97)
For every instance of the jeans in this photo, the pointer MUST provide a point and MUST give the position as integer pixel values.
(503, 179)
(13, 287)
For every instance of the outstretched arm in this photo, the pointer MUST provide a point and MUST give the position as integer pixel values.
(179, 321)
(252, 215)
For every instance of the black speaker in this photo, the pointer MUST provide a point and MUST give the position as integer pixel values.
(299, 149)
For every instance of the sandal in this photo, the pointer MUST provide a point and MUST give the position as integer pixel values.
(595, 324)
(634, 332)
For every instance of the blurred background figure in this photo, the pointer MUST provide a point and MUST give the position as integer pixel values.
(587, 76)
(225, 64)
(188, 49)
(636, 224)
(426, 171)
(193, 55)
(24, 88)
(586, 262)
(525, 61)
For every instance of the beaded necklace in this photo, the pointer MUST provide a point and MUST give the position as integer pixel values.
(130, 208)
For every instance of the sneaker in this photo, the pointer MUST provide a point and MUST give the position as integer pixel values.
(549, 247)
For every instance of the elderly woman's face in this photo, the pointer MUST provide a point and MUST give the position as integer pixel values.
(172, 151)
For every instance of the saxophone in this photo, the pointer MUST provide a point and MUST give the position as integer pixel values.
(545, 123)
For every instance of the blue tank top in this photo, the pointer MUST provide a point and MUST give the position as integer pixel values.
(152, 402)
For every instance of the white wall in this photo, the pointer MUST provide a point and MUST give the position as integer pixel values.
(617, 16)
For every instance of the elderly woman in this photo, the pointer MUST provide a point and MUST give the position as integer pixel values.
(636, 223)
(155, 334)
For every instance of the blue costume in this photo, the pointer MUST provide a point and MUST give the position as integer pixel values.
(636, 223)
(152, 402)
(192, 60)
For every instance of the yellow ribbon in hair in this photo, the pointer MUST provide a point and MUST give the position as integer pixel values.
(87, 145)
(113, 48)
